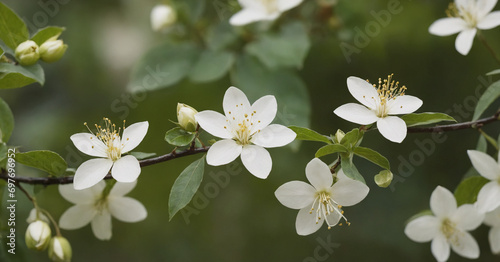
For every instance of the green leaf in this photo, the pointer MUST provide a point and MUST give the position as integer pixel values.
(13, 30)
(141, 155)
(6, 121)
(286, 49)
(221, 36)
(47, 161)
(163, 66)
(494, 72)
(14, 76)
(179, 137)
(349, 168)
(352, 138)
(191, 9)
(467, 190)
(211, 66)
(383, 178)
(185, 186)
(46, 33)
(372, 156)
(419, 119)
(3, 153)
(309, 135)
(1, 52)
(330, 149)
(490, 95)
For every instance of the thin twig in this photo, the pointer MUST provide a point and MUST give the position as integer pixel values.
(485, 43)
(458, 126)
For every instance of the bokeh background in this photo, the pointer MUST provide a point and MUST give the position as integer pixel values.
(243, 221)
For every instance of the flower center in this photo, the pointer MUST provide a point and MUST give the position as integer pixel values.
(271, 6)
(448, 228)
(387, 89)
(110, 136)
(465, 13)
(242, 127)
(324, 206)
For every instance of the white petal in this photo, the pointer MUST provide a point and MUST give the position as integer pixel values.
(133, 135)
(84, 196)
(363, 91)
(488, 198)
(101, 225)
(467, 217)
(284, 5)
(91, 172)
(257, 161)
(492, 218)
(404, 105)
(356, 113)
(422, 229)
(223, 152)
(319, 175)
(443, 203)
(247, 16)
(33, 216)
(295, 194)
(484, 7)
(490, 21)
(214, 123)
(465, 245)
(121, 189)
(126, 169)
(274, 136)
(127, 209)
(77, 216)
(393, 128)
(494, 238)
(447, 26)
(464, 41)
(348, 192)
(263, 110)
(89, 144)
(484, 164)
(236, 102)
(440, 248)
(306, 222)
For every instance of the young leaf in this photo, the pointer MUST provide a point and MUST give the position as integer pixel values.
(141, 155)
(309, 135)
(211, 66)
(372, 156)
(6, 121)
(14, 76)
(419, 119)
(47, 161)
(330, 149)
(490, 95)
(221, 36)
(185, 186)
(352, 138)
(13, 30)
(467, 190)
(179, 137)
(349, 168)
(46, 33)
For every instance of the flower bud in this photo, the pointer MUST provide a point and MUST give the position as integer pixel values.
(162, 16)
(60, 249)
(38, 235)
(338, 136)
(384, 178)
(52, 50)
(185, 117)
(27, 53)
(33, 216)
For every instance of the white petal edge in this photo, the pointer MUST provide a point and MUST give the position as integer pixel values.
(465, 245)
(223, 152)
(484, 7)
(274, 136)
(91, 172)
(126, 169)
(440, 248)
(488, 198)
(257, 161)
(349, 192)
(319, 175)
(236, 102)
(263, 110)
(121, 189)
(467, 217)
(133, 135)
(285, 5)
(84, 196)
(89, 144)
(464, 41)
(214, 123)
(490, 21)
(127, 209)
(443, 203)
(492, 218)
(392, 128)
(494, 238)
(422, 229)
(447, 26)
(405, 104)
(101, 225)
(247, 16)
(363, 91)
(305, 224)
(295, 194)
(484, 164)
(356, 113)
(77, 216)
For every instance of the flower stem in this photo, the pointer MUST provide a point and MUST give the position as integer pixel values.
(485, 43)
(58, 231)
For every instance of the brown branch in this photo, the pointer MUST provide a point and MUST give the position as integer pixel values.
(458, 126)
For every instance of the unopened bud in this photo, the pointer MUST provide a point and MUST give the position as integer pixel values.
(162, 16)
(338, 136)
(34, 216)
(185, 117)
(384, 178)
(38, 235)
(27, 53)
(52, 50)
(60, 249)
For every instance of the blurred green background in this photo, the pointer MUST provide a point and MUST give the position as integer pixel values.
(243, 221)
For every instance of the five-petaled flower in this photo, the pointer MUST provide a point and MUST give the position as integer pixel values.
(489, 196)
(108, 145)
(323, 199)
(466, 17)
(261, 10)
(246, 131)
(96, 205)
(492, 219)
(381, 103)
(448, 226)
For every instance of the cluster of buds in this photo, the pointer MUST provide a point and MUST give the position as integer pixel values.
(28, 52)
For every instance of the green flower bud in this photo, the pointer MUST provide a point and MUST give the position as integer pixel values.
(27, 53)
(60, 250)
(52, 50)
(338, 136)
(384, 178)
(185, 117)
(162, 16)
(38, 235)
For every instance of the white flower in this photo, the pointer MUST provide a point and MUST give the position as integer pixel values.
(261, 10)
(93, 206)
(322, 201)
(245, 130)
(465, 17)
(108, 145)
(38, 235)
(381, 103)
(489, 196)
(448, 226)
(162, 16)
(492, 219)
